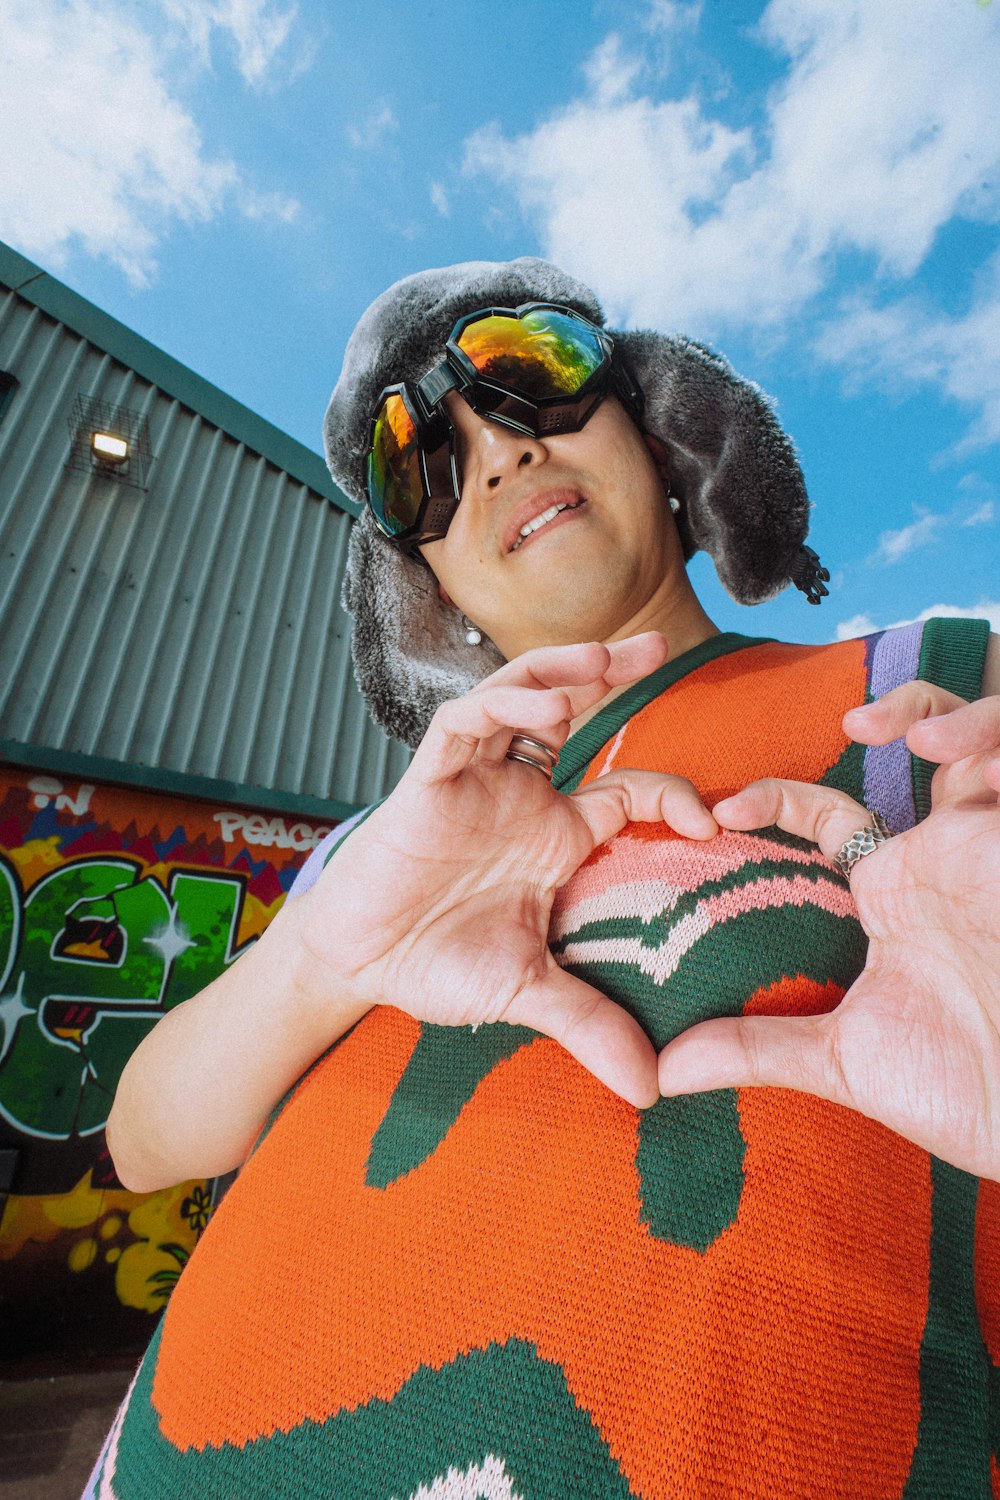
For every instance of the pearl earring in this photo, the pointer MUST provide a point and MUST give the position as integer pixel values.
(674, 503)
(473, 636)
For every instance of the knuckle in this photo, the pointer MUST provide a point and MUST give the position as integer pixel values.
(835, 1059)
(749, 1041)
(682, 786)
(577, 1018)
(832, 813)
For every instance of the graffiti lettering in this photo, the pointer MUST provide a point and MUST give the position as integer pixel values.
(89, 960)
(47, 789)
(266, 833)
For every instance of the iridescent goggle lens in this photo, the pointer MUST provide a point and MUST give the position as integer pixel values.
(541, 354)
(395, 481)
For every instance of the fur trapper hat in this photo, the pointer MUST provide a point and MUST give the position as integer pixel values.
(731, 466)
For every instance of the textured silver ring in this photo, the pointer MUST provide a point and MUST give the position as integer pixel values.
(530, 752)
(865, 841)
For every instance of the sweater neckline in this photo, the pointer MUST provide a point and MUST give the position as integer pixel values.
(581, 747)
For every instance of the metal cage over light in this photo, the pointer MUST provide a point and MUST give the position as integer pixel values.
(110, 440)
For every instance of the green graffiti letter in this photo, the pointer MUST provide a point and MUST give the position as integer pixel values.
(89, 984)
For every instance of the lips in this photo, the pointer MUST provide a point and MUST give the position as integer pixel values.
(537, 512)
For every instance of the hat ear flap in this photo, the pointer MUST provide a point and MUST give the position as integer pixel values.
(410, 651)
(734, 469)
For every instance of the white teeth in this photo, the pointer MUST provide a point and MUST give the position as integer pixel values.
(540, 521)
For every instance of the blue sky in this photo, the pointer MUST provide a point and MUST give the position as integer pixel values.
(811, 186)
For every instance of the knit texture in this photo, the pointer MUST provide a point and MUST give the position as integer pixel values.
(458, 1267)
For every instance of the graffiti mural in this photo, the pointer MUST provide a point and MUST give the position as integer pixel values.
(115, 906)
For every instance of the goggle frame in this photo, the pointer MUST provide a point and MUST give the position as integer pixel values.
(543, 416)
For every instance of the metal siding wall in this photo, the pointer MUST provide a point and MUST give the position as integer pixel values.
(194, 627)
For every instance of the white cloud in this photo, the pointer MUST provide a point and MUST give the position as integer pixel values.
(929, 526)
(892, 545)
(256, 205)
(595, 176)
(857, 625)
(609, 72)
(257, 29)
(877, 136)
(96, 149)
(439, 198)
(377, 124)
(908, 342)
(986, 609)
(671, 17)
(982, 516)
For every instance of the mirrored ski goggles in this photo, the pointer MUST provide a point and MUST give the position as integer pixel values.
(539, 369)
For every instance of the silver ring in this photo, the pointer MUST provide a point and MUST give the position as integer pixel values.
(521, 748)
(864, 841)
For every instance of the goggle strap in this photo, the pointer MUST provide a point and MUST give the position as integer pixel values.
(436, 384)
(626, 388)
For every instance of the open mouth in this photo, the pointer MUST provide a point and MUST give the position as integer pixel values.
(530, 527)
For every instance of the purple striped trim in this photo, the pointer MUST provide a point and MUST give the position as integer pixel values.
(314, 865)
(894, 657)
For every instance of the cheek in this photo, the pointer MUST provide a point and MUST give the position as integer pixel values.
(456, 565)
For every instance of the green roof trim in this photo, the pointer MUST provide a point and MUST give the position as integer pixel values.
(161, 779)
(169, 375)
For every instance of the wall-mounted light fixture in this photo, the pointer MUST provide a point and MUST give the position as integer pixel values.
(109, 449)
(111, 440)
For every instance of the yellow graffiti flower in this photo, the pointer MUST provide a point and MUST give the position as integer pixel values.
(197, 1209)
(163, 1227)
(147, 1271)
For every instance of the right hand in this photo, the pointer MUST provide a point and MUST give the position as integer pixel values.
(439, 903)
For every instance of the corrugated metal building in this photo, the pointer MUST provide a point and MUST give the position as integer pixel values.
(179, 725)
(179, 623)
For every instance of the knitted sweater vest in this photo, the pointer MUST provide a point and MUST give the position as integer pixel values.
(457, 1266)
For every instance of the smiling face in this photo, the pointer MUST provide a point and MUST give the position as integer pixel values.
(562, 539)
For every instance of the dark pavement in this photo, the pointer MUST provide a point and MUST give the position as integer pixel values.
(52, 1428)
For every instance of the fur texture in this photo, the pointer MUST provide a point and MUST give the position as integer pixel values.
(743, 498)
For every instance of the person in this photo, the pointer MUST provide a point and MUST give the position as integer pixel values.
(618, 1099)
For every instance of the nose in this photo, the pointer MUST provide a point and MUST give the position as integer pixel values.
(490, 453)
(504, 451)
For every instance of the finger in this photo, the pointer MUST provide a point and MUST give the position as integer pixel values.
(821, 814)
(584, 664)
(610, 666)
(605, 1039)
(890, 716)
(963, 783)
(540, 692)
(635, 657)
(972, 729)
(625, 796)
(794, 1052)
(485, 720)
(553, 666)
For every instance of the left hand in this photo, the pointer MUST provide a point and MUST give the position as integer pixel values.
(915, 1042)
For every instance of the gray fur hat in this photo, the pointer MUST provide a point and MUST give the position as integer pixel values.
(733, 468)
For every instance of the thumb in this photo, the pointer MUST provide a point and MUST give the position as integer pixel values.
(792, 1052)
(602, 1036)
